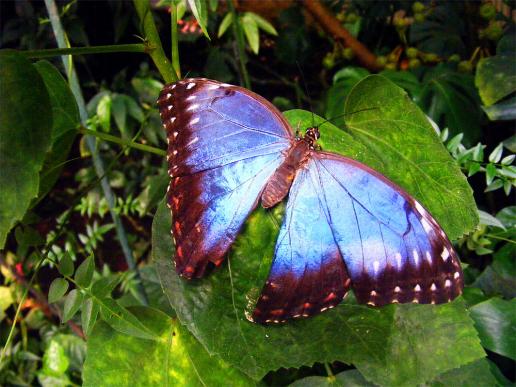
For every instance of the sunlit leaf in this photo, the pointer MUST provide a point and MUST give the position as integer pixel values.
(200, 11)
(57, 289)
(224, 25)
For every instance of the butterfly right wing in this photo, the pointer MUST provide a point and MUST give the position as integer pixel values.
(224, 143)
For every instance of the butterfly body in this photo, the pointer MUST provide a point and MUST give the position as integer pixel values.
(279, 184)
(346, 225)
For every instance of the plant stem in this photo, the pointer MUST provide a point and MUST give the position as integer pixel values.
(150, 33)
(121, 141)
(329, 372)
(239, 36)
(175, 43)
(91, 143)
(138, 47)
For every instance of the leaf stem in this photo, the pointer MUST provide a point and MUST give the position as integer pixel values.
(175, 40)
(138, 47)
(91, 143)
(328, 370)
(239, 36)
(124, 142)
(151, 35)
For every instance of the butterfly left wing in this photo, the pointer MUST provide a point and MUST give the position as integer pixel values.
(346, 223)
(224, 142)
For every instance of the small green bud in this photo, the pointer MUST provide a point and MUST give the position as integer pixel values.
(419, 17)
(412, 52)
(430, 57)
(328, 61)
(392, 57)
(487, 11)
(381, 61)
(418, 7)
(348, 53)
(454, 58)
(390, 66)
(352, 17)
(493, 32)
(465, 66)
(414, 63)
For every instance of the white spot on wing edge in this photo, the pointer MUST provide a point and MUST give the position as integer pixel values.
(192, 107)
(426, 225)
(191, 98)
(428, 257)
(447, 283)
(213, 87)
(445, 254)
(194, 121)
(398, 260)
(376, 266)
(190, 85)
(193, 141)
(419, 207)
(416, 257)
(456, 275)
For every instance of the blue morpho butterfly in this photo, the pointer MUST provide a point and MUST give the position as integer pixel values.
(346, 225)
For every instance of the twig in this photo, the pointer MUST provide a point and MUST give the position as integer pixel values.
(334, 28)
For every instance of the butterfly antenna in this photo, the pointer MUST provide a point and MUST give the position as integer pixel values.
(346, 114)
(303, 80)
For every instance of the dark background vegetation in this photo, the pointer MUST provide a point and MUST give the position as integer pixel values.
(432, 49)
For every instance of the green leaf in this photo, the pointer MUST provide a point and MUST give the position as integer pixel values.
(224, 25)
(404, 79)
(343, 81)
(147, 89)
(505, 110)
(489, 220)
(121, 320)
(104, 286)
(133, 108)
(477, 373)
(200, 12)
(496, 154)
(89, 313)
(66, 265)
(496, 78)
(491, 173)
(495, 320)
(25, 136)
(55, 361)
(370, 338)
(104, 112)
(119, 111)
(263, 24)
(452, 101)
(57, 289)
(351, 378)
(499, 278)
(84, 273)
(398, 141)
(251, 32)
(507, 216)
(72, 304)
(175, 358)
(65, 119)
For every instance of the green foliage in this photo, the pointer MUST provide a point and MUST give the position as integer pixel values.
(26, 129)
(172, 358)
(56, 218)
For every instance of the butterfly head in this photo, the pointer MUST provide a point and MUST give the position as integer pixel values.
(311, 136)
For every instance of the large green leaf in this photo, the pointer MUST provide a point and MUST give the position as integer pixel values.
(496, 78)
(477, 373)
(214, 310)
(399, 142)
(65, 114)
(495, 320)
(388, 345)
(451, 99)
(25, 136)
(175, 358)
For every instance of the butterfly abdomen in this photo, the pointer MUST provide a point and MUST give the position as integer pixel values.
(279, 184)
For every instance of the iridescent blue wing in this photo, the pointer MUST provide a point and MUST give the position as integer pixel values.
(308, 274)
(393, 250)
(224, 143)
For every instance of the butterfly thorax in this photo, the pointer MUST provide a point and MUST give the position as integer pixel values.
(298, 155)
